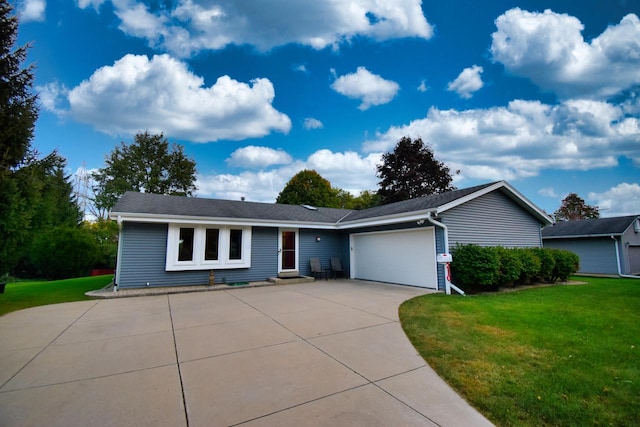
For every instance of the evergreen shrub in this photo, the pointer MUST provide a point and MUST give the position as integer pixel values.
(64, 252)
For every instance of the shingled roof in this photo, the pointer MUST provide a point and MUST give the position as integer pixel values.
(177, 206)
(589, 227)
(145, 205)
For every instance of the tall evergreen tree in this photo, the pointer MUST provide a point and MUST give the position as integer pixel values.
(18, 108)
(18, 114)
(411, 170)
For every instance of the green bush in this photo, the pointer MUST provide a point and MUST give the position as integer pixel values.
(484, 268)
(530, 265)
(106, 234)
(510, 266)
(64, 252)
(475, 267)
(547, 264)
(566, 264)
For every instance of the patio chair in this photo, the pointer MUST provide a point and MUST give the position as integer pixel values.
(336, 267)
(316, 268)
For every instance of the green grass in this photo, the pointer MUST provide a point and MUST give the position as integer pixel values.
(19, 295)
(550, 356)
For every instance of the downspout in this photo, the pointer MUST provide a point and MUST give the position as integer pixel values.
(447, 282)
(615, 243)
(116, 278)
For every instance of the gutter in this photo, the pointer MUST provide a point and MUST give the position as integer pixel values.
(628, 276)
(447, 282)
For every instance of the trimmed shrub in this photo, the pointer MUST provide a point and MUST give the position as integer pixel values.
(510, 266)
(475, 267)
(566, 264)
(530, 265)
(547, 264)
(64, 252)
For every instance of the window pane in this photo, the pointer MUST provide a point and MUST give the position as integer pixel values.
(211, 245)
(235, 244)
(185, 245)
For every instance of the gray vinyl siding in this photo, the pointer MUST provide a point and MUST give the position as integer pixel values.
(597, 254)
(143, 258)
(630, 251)
(331, 244)
(492, 220)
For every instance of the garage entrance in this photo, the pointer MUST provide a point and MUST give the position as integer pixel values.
(406, 257)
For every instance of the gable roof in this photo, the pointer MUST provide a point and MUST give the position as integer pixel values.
(160, 208)
(589, 227)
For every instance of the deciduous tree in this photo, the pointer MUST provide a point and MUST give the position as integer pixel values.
(574, 207)
(307, 187)
(411, 170)
(148, 165)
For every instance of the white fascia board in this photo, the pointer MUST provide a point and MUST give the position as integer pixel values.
(523, 201)
(581, 236)
(199, 220)
(386, 220)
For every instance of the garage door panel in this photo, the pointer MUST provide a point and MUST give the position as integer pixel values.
(405, 257)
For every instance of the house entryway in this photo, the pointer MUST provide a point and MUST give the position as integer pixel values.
(288, 252)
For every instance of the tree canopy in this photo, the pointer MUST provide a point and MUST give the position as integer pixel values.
(411, 170)
(35, 193)
(148, 165)
(307, 187)
(574, 207)
(18, 108)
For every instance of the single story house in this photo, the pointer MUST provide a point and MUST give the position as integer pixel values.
(605, 245)
(171, 240)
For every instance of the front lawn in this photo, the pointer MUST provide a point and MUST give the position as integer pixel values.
(19, 295)
(562, 355)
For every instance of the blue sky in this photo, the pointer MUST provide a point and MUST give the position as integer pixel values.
(543, 94)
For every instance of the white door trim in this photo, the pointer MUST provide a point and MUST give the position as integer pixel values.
(297, 249)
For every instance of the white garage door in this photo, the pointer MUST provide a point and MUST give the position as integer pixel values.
(406, 257)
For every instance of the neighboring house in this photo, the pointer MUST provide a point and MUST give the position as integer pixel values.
(170, 240)
(604, 245)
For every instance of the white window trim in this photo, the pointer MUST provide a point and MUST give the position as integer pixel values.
(199, 238)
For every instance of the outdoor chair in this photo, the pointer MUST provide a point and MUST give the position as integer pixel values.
(336, 267)
(316, 268)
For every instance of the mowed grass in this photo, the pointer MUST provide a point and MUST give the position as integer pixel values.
(19, 295)
(564, 355)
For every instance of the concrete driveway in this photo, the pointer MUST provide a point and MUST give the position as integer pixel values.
(325, 353)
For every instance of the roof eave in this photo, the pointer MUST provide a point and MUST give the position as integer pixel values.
(581, 236)
(386, 220)
(200, 220)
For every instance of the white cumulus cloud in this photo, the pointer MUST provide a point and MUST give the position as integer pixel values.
(349, 171)
(258, 157)
(370, 88)
(524, 138)
(311, 123)
(549, 49)
(161, 95)
(468, 82)
(32, 10)
(190, 26)
(623, 199)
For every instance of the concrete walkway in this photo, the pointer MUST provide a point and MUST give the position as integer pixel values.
(324, 353)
